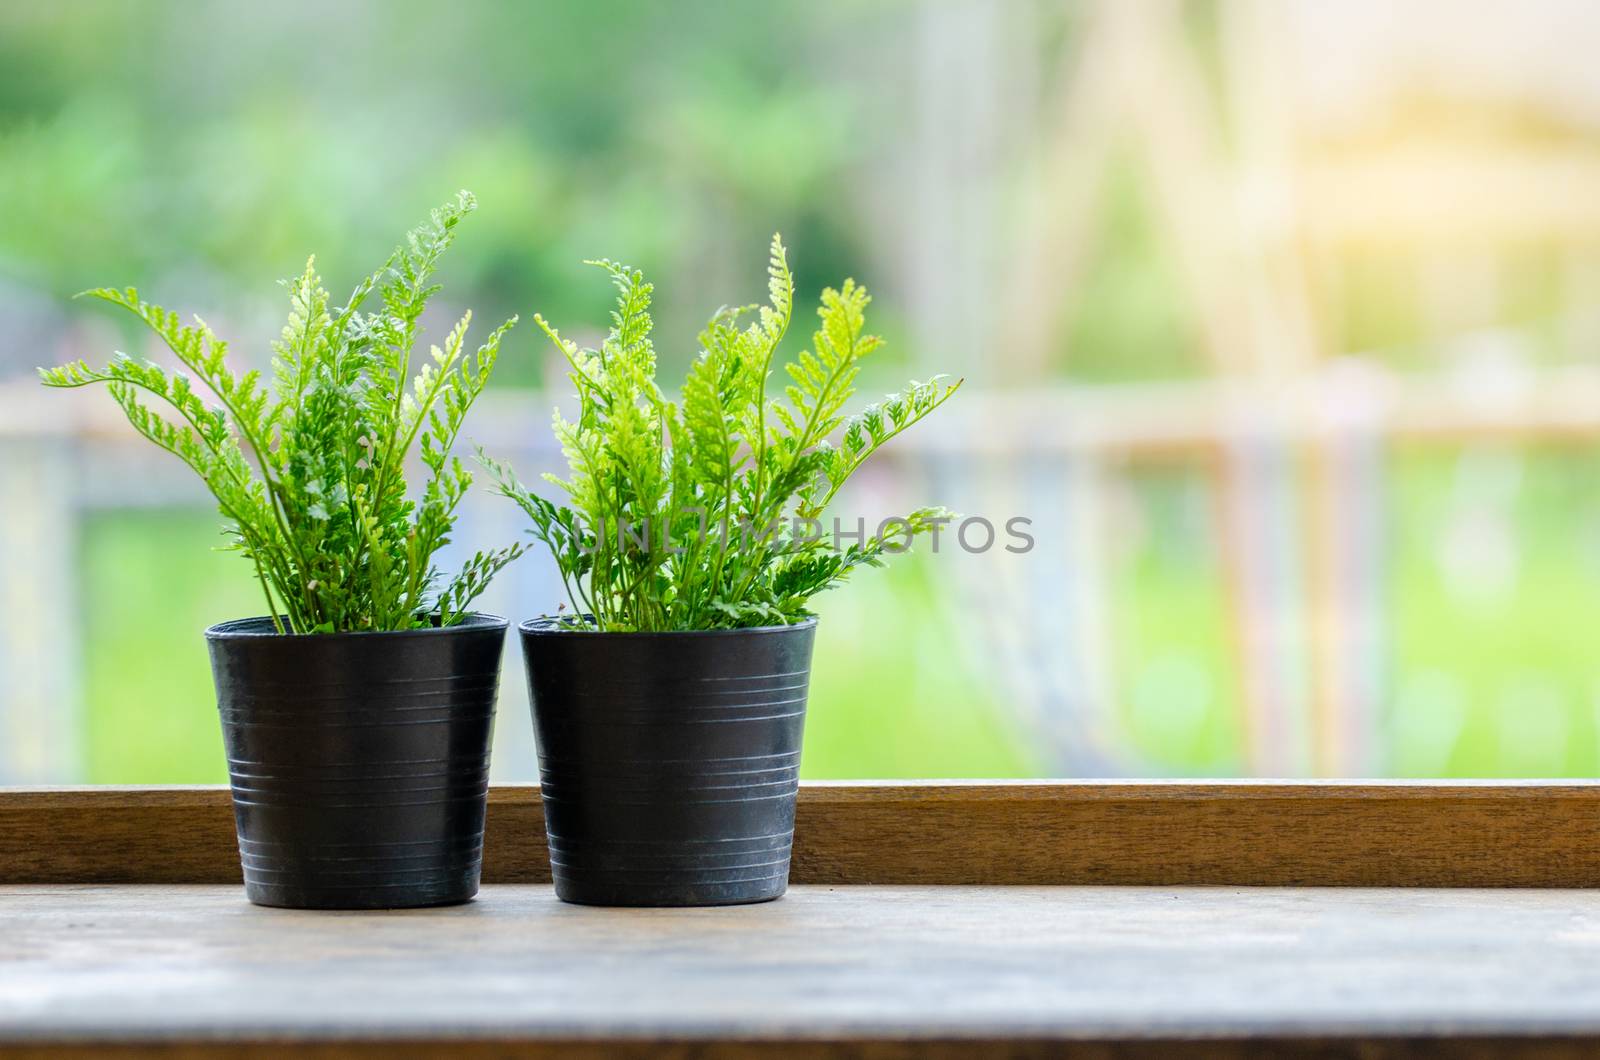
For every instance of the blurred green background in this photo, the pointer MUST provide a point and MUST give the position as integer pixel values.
(1279, 321)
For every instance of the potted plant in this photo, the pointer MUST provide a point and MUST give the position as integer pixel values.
(356, 714)
(669, 704)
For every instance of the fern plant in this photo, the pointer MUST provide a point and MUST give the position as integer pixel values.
(705, 513)
(310, 471)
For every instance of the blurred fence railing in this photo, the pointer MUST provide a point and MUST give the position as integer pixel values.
(1295, 468)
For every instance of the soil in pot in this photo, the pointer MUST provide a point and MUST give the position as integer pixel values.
(669, 762)
(359, 762)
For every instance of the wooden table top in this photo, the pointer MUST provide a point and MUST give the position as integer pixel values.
(851, 970)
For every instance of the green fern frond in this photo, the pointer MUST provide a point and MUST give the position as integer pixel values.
(320, 506)
(717, 474)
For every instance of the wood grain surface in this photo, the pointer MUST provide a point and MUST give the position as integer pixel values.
(826, 971)
(1394, 834)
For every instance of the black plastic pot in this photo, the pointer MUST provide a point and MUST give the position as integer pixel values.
(669, 762)
(359, 761)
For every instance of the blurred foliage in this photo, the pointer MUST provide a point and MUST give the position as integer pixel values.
(209, 146)
(150, 716)
(203, 148)
(1174, 664)
(1131, 320)
(1495, 596)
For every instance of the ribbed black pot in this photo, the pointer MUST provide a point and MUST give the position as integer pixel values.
(359, 761)
(669, 762)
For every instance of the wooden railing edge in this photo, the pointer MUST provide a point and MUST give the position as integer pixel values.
(1239, 833)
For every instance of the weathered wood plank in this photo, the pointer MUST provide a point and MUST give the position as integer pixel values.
(1235, 833)
(826, 972)
(1515, 834)
(1021, 1048)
